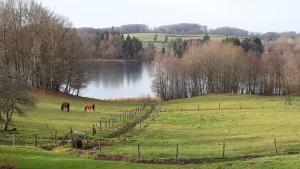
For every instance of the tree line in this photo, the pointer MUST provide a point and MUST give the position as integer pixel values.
(230, 66)
(190, 28)
(39, 49)
(113, 45)
(39, 45)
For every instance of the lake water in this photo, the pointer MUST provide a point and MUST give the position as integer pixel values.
(117, 80)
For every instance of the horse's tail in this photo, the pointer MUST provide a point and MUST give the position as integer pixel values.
(68, 107)
(62, 107)
(93, 107)
(85, 108)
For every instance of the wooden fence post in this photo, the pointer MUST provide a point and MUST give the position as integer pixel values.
(140, 123)
(94, 130)
(285, 104)
(223, 155)
(275, 145)
(55, 137)
(176, 151)
(100, 148)
(14, 139)
(35, 140)
(138, 152)
(71, 134)
(85, 137)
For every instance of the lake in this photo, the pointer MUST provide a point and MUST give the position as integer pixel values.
(118, 80)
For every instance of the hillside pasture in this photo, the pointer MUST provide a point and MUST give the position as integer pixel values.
(149, 37)
(24, 158)
(247, 125)
(47, 116)
(202, 127)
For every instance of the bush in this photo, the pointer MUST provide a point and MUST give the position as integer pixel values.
(7, 165)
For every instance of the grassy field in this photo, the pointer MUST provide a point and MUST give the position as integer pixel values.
(47, 117)
(161, 36)
(30, 158)
(149, 37)
(247, 124)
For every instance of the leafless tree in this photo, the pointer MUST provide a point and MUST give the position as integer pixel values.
(13, 97)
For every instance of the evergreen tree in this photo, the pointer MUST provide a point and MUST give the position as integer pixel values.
(206, 38)
(155, 38)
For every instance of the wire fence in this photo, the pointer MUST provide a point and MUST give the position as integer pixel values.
(128, 122)
(108, 128)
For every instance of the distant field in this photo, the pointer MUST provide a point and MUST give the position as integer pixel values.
(161, 36)
(149, 37)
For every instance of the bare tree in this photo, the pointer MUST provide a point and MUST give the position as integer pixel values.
(220, 67)
(13, 97)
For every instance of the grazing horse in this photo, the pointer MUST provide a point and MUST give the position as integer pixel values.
(65, 106)
(89, 106)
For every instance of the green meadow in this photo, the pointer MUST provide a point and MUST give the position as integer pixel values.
(149, 37)
(161, 36)
(247, 125)
(202, 127)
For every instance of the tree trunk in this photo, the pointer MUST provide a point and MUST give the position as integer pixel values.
(5, 126)
(10, 115)
(1, 118)
(6, 121)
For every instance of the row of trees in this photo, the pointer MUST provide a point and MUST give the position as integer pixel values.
(228, 67)
(38, 48)
(229, 31)
(39, 45)
(124, 29)
(113, 45)
(182, 28)
(189, 28)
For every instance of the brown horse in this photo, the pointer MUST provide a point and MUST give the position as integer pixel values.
(65, 106)
(89, 106)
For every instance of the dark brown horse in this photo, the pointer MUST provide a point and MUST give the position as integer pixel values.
(65, 106)
(89, 106)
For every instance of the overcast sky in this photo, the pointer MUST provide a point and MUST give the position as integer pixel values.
(252, 15)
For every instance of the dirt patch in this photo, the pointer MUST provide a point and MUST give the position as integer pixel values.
(100, 156)
(198, 161)
(48, 147)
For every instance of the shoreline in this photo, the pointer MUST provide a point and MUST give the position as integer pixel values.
(99, 60)
(60, 93)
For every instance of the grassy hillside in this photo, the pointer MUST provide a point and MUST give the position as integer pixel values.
(161, 36)
(47, 116)
(149, 37)
(247, 124)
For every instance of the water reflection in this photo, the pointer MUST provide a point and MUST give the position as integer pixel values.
(111, 80)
